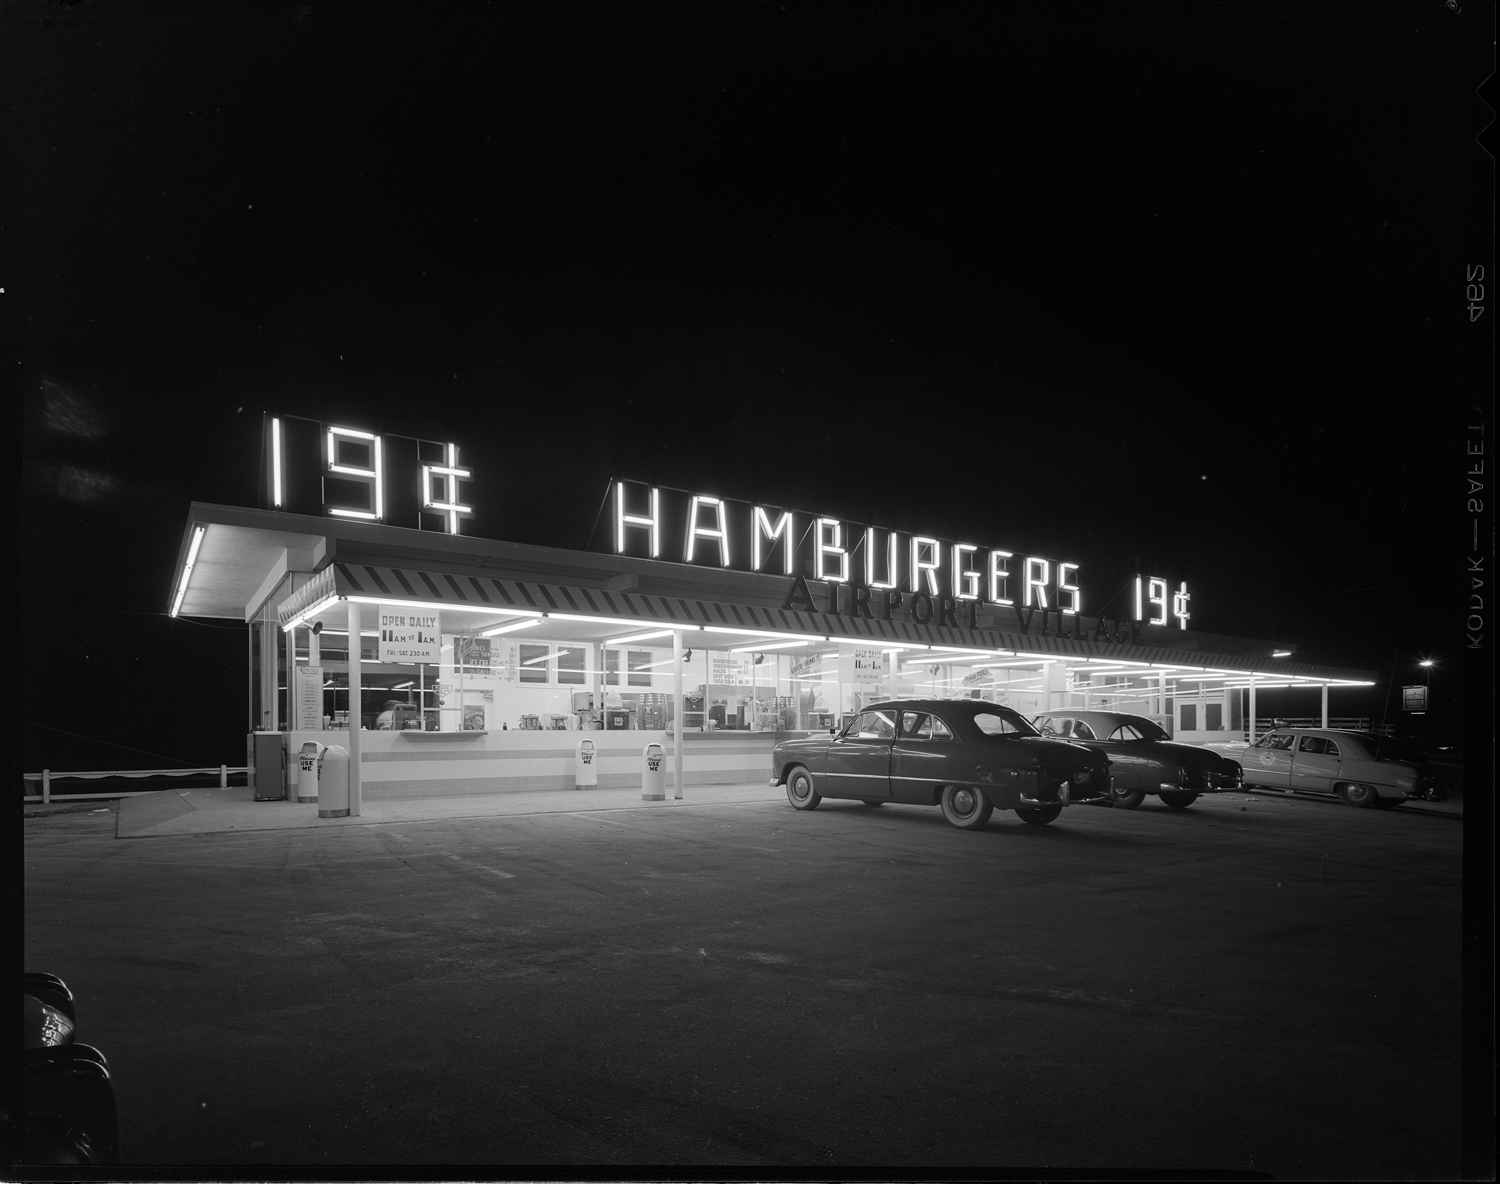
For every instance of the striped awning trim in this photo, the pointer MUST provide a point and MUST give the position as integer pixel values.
(467, 590)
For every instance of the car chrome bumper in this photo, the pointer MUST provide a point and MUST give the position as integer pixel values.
(1066, 796)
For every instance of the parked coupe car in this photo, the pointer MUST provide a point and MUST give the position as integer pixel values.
(1143, 758)
(71, 1115)
(1361, 768)
(967, 757)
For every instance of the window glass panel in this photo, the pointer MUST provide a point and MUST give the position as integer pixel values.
(1001, 721)
(872, 725)
(638, 666)
(571, 663)
(1333, 748)
(1189, 717)
(611, 668)
(1129, 732)
(1213, 717)
(1282, 740)
(533, 664)
(911, 722)
(940, 729)
(1081, 731)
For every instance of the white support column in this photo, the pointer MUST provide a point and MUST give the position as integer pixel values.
(315, 658)
(1325, 705)
(270, 710)
(678, 715)
(355, 687)
(291, 679)
(1250, 715)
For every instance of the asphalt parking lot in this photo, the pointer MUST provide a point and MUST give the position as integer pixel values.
(1256, 983)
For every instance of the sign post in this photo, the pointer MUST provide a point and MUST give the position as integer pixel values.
(1414, 700)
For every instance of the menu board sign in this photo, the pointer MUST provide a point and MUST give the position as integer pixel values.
(309, 692)
(730, 670)
(408, 635)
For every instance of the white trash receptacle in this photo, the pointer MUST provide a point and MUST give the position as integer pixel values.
(585, 765)
(333, 783)
(653, 773)
(307, 773)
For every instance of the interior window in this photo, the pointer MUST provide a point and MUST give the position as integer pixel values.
(1048, 727)
(1081, 731)
(1313, 744)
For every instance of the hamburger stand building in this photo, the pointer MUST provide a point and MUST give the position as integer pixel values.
(447, 663)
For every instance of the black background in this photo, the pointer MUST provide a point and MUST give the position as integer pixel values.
(1187, 286)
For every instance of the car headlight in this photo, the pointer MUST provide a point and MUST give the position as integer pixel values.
(46, 1027)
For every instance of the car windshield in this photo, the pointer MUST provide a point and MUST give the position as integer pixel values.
(1002, 721)
(1139, 729)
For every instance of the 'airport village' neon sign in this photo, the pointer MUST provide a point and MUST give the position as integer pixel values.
(937, 581)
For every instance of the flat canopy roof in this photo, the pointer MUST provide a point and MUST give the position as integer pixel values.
(476, 585)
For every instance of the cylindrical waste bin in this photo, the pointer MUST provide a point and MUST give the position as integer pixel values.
(653, 774)
(307, 772)
(585, 770)
(333, 783)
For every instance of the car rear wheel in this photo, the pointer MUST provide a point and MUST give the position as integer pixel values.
(1127, 799)
(1039, 815)
(1352, 793)
(800, 791)
(1179, 799)
(965, 808)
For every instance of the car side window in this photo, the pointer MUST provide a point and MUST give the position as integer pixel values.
(1313, 744)
(1081, 731)
(1280, 740)
(938, 729)
(1332, 749)
(872, 725)
(1125, 732)
(912, 723)
(1048, 727)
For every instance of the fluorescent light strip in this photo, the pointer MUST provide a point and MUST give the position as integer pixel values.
(528, 623)
(187, 568)
(638, 637)
(775, 645)
(312, 611)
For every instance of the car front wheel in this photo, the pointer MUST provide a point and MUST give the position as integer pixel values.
(965, 808)
(1127, 799)
(800, 791)
(1178, 800)
(1351, 793)
(1039, 815)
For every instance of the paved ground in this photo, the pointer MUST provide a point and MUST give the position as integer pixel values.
(1256, 983)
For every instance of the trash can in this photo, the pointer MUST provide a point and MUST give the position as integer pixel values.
(653, 774)
(585, 770)
(307, 773)
(333, 783)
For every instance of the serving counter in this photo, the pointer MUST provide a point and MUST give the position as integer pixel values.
(414, 764)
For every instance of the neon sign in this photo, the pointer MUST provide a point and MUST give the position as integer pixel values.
(346, 472)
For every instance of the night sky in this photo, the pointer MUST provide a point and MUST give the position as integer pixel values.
(1187, 286)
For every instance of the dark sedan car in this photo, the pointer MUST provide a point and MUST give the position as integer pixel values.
(967, 757)
(1143, 758)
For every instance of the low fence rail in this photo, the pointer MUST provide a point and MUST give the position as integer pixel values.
(46, 777)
